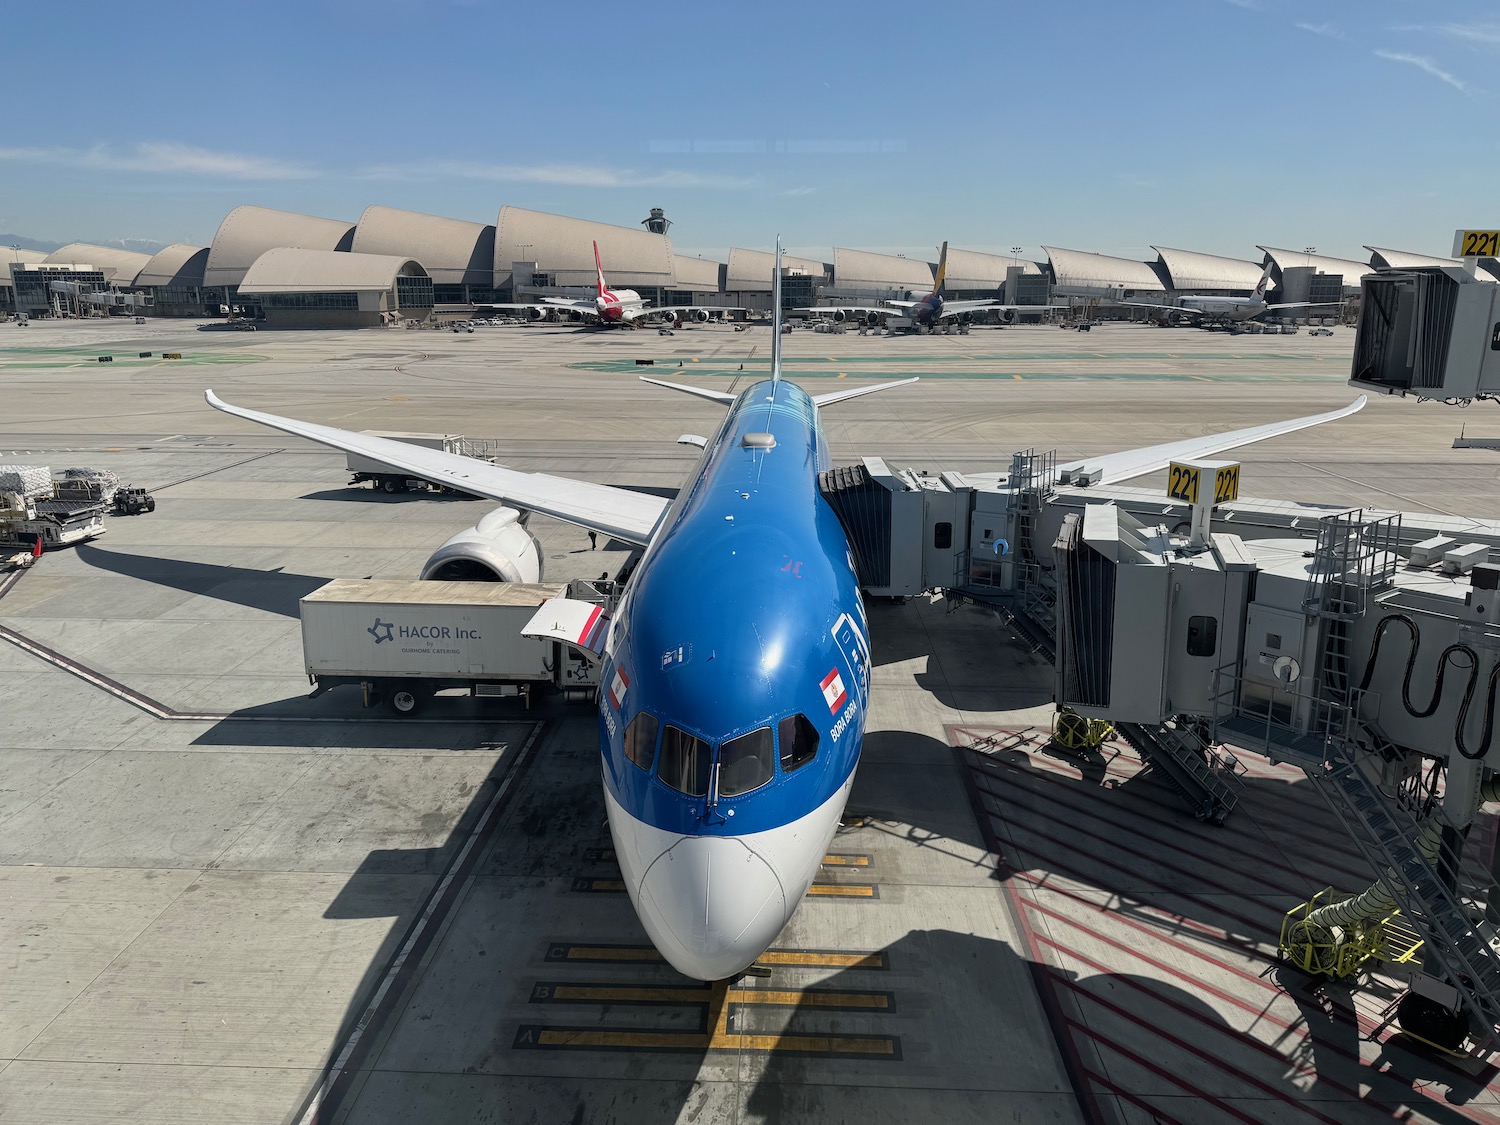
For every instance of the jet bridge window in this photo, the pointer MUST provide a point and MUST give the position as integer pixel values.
(799, 742)
(685, 762)
(1202, 636)
(640, 740)
(746, 762)
(942, 536)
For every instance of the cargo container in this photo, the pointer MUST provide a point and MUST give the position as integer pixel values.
(402, 642)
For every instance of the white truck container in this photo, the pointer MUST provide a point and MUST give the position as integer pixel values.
(390, 478)
(405, 641)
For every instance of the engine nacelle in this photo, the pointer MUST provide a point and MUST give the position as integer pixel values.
(872, 319)
(839, 316)
(538, 313)
(700, 315)
(496, 549)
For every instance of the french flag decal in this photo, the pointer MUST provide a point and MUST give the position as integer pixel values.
(617, 689)
(833, 691)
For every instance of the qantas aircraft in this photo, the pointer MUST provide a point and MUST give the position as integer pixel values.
(927, 311)
(737, 660)
(1223, 310)
(611, 306)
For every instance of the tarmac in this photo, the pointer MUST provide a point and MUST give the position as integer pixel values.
(226, 901)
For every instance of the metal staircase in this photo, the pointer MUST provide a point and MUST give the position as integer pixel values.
(1205, 777)
(1033, 476)
(1458, 950)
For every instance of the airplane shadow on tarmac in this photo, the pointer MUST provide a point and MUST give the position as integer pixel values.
(273, 591)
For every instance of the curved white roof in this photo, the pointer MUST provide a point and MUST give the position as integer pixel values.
(972, 269)
(562, 246)
(453, 251)
(294, 270)
(698, 275)
(1081, 274)
(749, 271)
(1351, 270)
(178, 264)
(248, 232)
(1383, 259)
(1191, 271)
(120, 266)
(860, 269)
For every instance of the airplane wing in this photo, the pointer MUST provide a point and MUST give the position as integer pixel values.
(1150, 305)
(883, 310)
(1115, 467)
(702, 392)
(618, 512)
(1303, 304)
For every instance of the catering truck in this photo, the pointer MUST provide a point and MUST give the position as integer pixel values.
(403, 642)
(388, 478)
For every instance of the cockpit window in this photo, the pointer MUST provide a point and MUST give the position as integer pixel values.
(746, 763)
(799, 742)
(685, 762)
(640, 740)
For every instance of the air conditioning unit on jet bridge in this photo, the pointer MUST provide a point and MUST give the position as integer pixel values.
(1430, 331)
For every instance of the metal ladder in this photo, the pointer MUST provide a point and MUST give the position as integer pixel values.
(1463, 950)
(1205, 782)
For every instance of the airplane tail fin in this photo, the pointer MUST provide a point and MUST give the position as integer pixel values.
(599, 266)
(942, 269)
(1265, 280)
(776, 320)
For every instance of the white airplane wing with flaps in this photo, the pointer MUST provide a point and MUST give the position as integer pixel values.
(619, 512)
(1111, 468)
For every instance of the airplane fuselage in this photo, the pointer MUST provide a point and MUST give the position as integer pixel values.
(928, 311)
(736, 676)
(613, 306)
(1233, 308)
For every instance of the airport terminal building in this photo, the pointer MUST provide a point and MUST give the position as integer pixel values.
(395, 266)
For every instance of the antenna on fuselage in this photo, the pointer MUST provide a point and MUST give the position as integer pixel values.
(776, 321)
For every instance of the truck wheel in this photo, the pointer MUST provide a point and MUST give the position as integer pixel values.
(391, 484)
(405, 699)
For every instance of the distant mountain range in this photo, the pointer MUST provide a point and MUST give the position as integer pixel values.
(139, 245)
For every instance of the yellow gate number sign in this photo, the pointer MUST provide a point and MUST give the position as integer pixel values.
(1185, 478)
(1476, 243)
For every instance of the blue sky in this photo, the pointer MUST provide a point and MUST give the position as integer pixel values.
(1210, 125)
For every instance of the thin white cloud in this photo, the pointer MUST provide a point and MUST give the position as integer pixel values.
(796, 191)
(1423, 63)
(1326, 30)
(1486, 34)
(160, 157)
(563, 175)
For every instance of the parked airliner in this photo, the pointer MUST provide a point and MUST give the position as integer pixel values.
(736, 666)
(927, 311)
(611, 306)
(1223, 310)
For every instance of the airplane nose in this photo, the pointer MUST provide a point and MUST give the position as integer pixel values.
(711, 906)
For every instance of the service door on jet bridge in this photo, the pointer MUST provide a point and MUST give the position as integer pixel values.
(1272, 633)
(1207, 608)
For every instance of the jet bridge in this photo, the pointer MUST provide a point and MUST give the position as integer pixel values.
(1363, 646)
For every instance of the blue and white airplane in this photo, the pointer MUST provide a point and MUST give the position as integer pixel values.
(737, 663)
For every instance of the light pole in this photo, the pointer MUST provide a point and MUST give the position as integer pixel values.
(1309, 251)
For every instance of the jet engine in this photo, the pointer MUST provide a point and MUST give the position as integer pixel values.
(538, 313)
(872, 319)
(700, 315)
(496, 549)
(839, 316)
(1008, 316)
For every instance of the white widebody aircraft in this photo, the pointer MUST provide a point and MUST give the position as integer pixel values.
(1225, 310)
(737, 661)
(612, 306)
